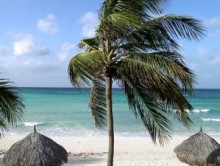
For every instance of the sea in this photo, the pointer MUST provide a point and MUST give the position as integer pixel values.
(65, 112)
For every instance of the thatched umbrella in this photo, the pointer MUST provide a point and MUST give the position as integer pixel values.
(35, 150)
(199, 149)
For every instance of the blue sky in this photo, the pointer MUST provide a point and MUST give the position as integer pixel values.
(39, 37)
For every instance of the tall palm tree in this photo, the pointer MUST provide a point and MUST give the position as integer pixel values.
(11, 106)
(139, 51)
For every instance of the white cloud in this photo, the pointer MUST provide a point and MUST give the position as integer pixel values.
(215, 21)
(208, 56)
(34, 71)
(3, 50)
(213, 26)
(25, 69)
(36, 64)
(62, 56)
(18, 36)
(205, 64)
(216, 60)
(19, 59)
(67, 50)
(68, 46)
(27, 46)
(48, 24)
(89, 22)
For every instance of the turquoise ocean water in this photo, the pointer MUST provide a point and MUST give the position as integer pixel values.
(64, 111)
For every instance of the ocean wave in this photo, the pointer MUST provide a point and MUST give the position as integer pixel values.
(211, 119)
(59, 131)
(28, 124)
(199, 110)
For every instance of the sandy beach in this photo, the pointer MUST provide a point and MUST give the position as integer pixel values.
(129, 151)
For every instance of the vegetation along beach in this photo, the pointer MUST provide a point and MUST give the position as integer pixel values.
(113, 82)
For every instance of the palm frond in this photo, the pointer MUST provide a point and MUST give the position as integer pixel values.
(155, 6)
(97, 102)
(90, 44)
(160, 33)
(142, 8)
(163, 86)
(170, 63)
(118, 24)
(178, 26)
(140, 51)
(11, 106)
(146, 107)
(84, 67)
(148, 40)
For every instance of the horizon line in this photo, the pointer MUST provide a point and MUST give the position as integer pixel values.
(90, 87)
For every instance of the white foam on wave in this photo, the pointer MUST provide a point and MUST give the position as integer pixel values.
(33, 123)
(199, 110)
(211, 119)
(89, 132)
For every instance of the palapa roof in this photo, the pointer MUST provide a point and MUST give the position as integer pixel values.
(199, 149)
(35, 150)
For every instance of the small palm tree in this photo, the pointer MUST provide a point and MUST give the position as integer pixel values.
(11, 106)
(140, 53)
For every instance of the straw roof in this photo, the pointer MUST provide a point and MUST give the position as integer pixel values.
(200, 149)
(35, 150)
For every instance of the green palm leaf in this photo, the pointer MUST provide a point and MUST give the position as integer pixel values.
(141, 52)
(140, 7)
(90, 44)
(158, 83)
(146, 107)
(84, 67)
(160, 33)
(119, 24)
(178, 26)
(11, 106)
(97, 102)
(149, 38)
(170, 63)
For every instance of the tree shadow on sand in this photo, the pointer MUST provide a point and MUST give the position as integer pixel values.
(85, 158)
(79, 159)
(1, 160)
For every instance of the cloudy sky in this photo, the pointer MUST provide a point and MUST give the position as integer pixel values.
(39, 37)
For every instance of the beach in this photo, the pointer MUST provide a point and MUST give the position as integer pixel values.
(129, 151)
(62, 114)
(109, 75)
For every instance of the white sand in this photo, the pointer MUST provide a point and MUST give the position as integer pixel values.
(129, 151)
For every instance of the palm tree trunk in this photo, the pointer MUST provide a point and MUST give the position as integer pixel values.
(110, 120)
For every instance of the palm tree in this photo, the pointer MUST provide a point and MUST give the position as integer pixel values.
(138, 51)
(11, 106)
